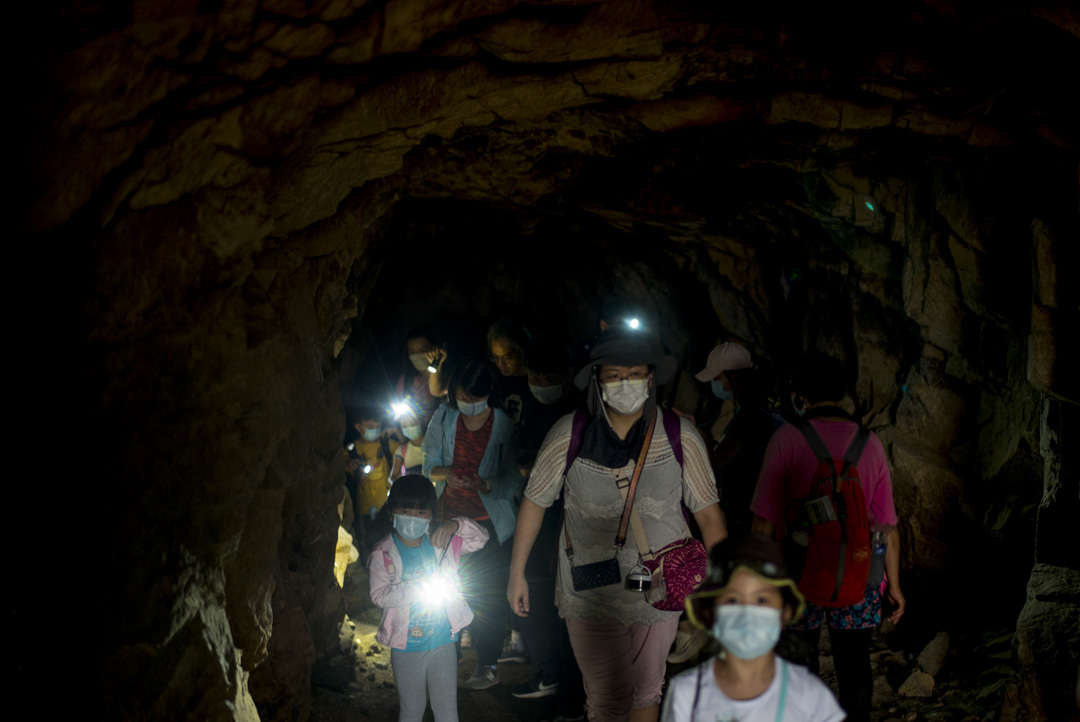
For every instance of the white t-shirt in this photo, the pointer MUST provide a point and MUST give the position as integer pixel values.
(807, 699)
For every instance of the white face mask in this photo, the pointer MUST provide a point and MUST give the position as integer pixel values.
(547, 394)
(746, 630)
(411, 527)
(413, 432)
(371, 434)
(472, 409)
(419, 361)
(627, 396)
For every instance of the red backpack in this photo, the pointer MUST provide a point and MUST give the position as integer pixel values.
(828, 531)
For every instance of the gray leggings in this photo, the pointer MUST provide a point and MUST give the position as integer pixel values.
(421, 676)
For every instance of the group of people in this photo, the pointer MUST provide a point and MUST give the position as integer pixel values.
(550, 490)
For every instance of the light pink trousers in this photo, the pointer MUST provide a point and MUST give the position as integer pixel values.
(622, 666)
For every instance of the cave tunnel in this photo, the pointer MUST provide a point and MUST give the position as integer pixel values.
(249, 202)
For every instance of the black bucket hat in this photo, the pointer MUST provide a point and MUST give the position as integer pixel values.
(617, 346)
(755, 553)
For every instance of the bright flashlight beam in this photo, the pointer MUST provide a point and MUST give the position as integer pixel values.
(400, 409)
(438, 589)
(367, 468)
(633, 323)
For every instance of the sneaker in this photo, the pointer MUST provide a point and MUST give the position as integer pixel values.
(687, 644)
(535, 689)
(483, 677)
(513, 651)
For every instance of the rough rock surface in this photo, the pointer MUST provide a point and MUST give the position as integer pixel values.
(919, 684)
(230, 189)
(933, 655)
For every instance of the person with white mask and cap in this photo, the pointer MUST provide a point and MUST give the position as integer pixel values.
(737, 448)
(620, 638)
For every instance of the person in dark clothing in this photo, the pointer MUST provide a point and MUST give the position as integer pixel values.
(507, 341)
(543, 632)
(737, 454)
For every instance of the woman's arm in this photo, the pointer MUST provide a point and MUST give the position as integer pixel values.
(713, 529)
(506, 480)
(437, 381)
(433, 446)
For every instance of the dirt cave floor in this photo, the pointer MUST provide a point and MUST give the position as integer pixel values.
(916, 677)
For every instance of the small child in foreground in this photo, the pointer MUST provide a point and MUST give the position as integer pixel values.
(745, 602)
(413, 574)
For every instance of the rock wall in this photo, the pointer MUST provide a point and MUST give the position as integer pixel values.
(222, 179)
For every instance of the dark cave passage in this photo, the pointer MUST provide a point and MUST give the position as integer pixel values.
(248, 203)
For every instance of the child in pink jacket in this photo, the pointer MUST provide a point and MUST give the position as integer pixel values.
(414, 579)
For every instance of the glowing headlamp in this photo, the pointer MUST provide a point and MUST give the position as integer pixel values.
(633, 323)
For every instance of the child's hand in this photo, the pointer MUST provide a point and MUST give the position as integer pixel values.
(442, 534)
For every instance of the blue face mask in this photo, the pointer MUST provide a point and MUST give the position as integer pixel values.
(472, 409)
(371, 434)
(720, 392)
(413, 432)
(746, 630)
(411, 527)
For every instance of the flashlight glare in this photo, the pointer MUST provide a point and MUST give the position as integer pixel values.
(869, 205)
(352, 446)
(367, 468)
(432, 370)
(400, 409)
(633, 323)
(438, 589)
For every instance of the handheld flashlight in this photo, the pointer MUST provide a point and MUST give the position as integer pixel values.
(633, 323)
(438, 589)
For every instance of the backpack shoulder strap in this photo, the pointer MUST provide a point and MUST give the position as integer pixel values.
(673, 429)
(814, 439)
(577, 434)
(855, 450)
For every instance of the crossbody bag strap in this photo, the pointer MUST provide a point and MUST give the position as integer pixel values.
(627, 495)
(636, 524)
